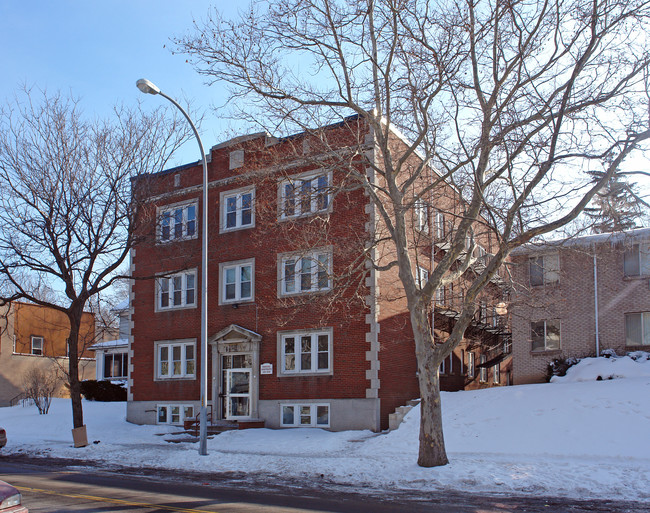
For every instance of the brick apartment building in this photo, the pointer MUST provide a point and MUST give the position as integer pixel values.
(578, 297)
(35, 337)
(301, 331)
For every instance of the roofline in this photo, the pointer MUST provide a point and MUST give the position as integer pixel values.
(635, 234)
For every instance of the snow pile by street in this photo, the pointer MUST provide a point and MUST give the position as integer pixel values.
(571, 438)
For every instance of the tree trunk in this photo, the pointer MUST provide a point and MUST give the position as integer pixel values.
(432, 444)
(73, 368)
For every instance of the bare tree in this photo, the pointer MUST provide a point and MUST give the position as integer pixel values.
(508, 102)
(39, 385)
(66, 209)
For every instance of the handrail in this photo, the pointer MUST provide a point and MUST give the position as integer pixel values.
(15, 400)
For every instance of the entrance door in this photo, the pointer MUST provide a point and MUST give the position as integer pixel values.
(238, 393)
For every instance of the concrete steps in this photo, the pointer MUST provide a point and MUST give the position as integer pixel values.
(395, 419)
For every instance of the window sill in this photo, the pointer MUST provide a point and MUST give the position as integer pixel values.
(545, 352)
(175, 308)
(286, 295)
(636, 278)
(179, 378)
(179, 239)
(236, 228)
(304, 374)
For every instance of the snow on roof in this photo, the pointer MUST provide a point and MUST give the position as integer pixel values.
(122, 342)
(586, 240)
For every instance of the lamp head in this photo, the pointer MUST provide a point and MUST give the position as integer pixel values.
(147, 87)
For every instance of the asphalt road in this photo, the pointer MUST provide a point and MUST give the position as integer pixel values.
(53, 486)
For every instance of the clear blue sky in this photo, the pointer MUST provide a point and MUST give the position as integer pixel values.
(97, 51)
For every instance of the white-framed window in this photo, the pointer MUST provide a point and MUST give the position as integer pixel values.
(306, 352)
(237, 281)
(116, 365)
(305, 415)
(176, 291)
(301, 273)
(439, 295)
(496, 374)
(636, 260)
(482, 312)
(545, 335)
(423, 276)
(447, 365)
(175, 359)
(482, 376)
(174, 413)
(471, 365)
(421, 216)
(37, 346)
(441, 228)
(177, 222)
(305, 194)
(237, 209)
(544, 269)
(637, 329)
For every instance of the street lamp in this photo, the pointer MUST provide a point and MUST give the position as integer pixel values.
(149, 88)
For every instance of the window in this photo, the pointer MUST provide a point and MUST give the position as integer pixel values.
(637, 329)
(178, 223)
(496, 374)
(447, 365)
(305, 273)
(483, 371)
(544, 269)
(421, 215)
(545, 335)
(177, 291)
(482, 312)
(471, 365)
(174, 413)
(423, 276)
(636, 260)
(440, 225)
(37, 346)
(305, 352)
(237, 209)
(175, 360)
(305, 415)
(236, 281)
(304, 195)
(116, 365)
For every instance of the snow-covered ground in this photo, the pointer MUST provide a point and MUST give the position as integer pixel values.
(575, 437)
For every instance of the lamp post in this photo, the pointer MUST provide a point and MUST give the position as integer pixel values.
(149, 88)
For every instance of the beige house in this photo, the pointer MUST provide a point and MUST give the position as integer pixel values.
(579, 297)
(34, 336)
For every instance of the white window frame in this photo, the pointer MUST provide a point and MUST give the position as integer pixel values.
(125, 363)
(423, 276)
(639, 255)
(496, 374)
(169, 346)
(297, 336)
(482, 372)
(290, 283)
(184, 207)
(421, 215)
(299, 414)
(550, 269)
(238, 194)
(440, 227)
(644, 325)
(33, 348)
(471, 364)
(182, 413)
(546, 346)
(237, 266)
(167, 285)
(300, 184)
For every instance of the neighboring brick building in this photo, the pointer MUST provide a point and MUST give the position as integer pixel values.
(298, 337)
(34, 336)
(561, 285)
